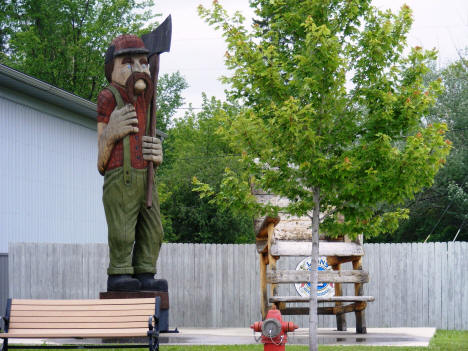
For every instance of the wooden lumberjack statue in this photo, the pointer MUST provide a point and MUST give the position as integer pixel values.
(127, 152)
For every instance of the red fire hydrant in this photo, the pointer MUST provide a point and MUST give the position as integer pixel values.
(274, 330)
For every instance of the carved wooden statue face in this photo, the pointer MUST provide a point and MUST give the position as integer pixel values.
(125, 66)
(132, 72)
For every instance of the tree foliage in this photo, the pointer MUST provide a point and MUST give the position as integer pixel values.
(194, 150)
(169, 98)
(63, 42)
(331, 103)
(441, 210)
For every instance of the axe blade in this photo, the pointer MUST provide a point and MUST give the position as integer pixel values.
(159, 40)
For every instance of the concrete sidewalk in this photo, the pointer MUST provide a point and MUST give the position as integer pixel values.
(374, 337)
(245, 336)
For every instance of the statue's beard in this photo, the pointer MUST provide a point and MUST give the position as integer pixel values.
(130, 86)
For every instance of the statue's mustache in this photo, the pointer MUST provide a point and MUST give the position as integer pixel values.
(130, 85)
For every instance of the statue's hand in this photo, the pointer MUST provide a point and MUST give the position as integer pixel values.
(152, 150)
(122, 122)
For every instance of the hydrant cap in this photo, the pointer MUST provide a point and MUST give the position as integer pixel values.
(257, 326)
(289, 327)
(271, 328)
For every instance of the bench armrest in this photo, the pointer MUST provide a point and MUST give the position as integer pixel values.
(6, 321)
(151, 325)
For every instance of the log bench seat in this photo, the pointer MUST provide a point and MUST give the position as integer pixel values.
(323, 299)
(82, 319)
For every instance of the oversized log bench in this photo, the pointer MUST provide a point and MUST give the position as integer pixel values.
(82, 319)
(276, 237)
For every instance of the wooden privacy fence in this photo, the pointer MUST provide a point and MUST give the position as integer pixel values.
(415, 285)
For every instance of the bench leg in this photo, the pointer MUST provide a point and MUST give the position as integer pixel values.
(361, 322)
(263, 285)
(272, 261)
(156, 344)
(340, 318)
(341, 322)
(5, 345)
(153, 341)
(153, 332)
(359, 291)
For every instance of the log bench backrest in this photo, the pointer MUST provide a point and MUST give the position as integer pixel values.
(292, 236)
(80, 318)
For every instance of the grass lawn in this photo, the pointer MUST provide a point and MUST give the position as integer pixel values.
(444, 340)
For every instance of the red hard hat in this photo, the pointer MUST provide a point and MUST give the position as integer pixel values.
(125, 44)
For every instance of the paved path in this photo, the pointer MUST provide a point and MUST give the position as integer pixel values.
(244, 336)
(374, 336)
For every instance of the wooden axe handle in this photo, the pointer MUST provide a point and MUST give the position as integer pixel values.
(154, 69)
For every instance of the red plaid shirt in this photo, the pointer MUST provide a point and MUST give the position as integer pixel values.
(105, 105)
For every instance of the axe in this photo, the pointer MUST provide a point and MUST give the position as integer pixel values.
(157, 42)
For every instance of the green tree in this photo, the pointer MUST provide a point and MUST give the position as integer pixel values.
(442, 209)
(63, 42)
(194, 150)
(332, 116)
(169, 98)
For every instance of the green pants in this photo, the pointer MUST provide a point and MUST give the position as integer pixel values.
(135, 233)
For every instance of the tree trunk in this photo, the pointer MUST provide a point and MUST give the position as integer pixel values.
(313, 317)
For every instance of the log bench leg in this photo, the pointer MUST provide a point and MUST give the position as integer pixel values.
(273, 287)
(358, 291)
(340, 318)
(263, 285)
(272, 264)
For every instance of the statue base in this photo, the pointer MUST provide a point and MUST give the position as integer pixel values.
(164, 296)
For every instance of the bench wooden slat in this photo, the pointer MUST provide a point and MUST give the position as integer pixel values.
(80, 307)
(331, 310)
(82, 319)
(83, 302)
(75, 333)
(86, 313)
(304, 248)
(290, 276)
(322, 299)
(76, 325)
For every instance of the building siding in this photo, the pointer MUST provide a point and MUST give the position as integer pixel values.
(50, 188)
(3, 284)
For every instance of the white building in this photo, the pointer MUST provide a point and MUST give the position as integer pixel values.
(50, 188)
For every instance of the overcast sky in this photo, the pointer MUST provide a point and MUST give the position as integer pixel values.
(197, 49)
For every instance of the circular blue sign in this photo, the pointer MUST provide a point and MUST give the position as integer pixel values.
(323, 289)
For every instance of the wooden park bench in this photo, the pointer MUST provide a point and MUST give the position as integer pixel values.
(104, 319)
(291, 236)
